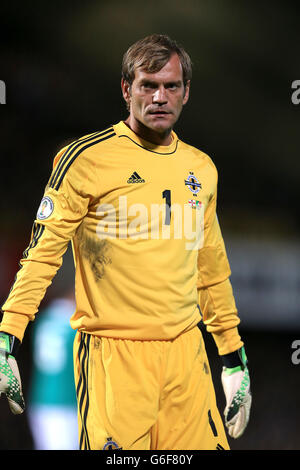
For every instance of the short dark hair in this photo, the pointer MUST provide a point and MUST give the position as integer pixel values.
(151, 54)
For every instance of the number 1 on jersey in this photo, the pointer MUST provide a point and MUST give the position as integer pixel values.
(167, 196)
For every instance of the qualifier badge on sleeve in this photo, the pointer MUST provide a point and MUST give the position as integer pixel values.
(45, 209)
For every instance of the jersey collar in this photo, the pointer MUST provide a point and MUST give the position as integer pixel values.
(122, 130)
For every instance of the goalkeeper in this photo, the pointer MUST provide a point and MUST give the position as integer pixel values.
(139, 206)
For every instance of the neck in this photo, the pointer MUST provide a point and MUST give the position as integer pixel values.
(145, 133)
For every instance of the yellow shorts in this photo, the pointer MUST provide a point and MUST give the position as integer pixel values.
(146, 395)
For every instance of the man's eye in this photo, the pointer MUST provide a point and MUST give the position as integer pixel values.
(148, 86)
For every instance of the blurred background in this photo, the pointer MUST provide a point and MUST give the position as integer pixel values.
(60, 63)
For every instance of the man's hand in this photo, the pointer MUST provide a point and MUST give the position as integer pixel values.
(10, 382)
(236, 385)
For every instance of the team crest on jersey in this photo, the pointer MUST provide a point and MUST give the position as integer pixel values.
(111, 445)
(45, 209)
(193, 184)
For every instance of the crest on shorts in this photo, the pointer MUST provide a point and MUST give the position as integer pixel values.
(111, 445)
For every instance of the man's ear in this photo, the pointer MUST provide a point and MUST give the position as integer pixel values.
(126, 91)
(186, 92)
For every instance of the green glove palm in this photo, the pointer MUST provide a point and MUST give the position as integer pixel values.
(10, 381)
(236, 385)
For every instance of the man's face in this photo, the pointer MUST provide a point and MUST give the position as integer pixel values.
(156, 99)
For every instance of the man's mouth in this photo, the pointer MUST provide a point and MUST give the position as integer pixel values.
(159, 112)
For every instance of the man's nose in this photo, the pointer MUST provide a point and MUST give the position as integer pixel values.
(160, 96)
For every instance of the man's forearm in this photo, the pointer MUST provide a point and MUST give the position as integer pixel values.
(220, 316)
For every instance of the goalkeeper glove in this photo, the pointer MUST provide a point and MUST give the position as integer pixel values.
(10, 382)
(236, 386)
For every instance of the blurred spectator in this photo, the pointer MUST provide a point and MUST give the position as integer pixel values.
(52, 408)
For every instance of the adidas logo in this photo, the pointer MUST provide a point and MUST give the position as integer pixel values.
(135, 178)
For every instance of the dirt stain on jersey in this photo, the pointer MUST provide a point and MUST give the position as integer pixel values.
(97, 252)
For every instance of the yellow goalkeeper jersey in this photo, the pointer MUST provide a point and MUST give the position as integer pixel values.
(147, 245)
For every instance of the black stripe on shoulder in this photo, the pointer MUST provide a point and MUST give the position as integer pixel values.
(71, 159)
(69, 150)
(76, 148)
